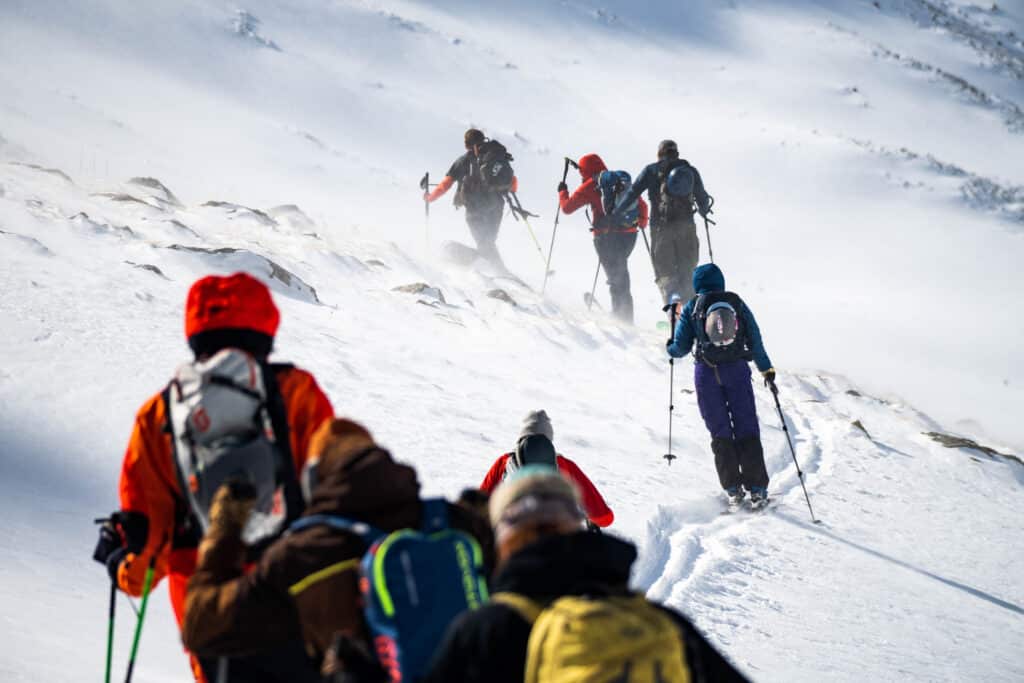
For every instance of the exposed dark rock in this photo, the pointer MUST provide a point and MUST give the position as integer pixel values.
(860, 425)
(147, 266)
(421, 288)
(243, 211)
(153, 184)
(51, 171)
(502, 295)
(277, 272)
(951, 441)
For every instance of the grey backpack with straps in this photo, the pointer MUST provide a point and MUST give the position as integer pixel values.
(222, 430)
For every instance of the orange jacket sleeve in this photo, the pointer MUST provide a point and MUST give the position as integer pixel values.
(593, 503)
(645, 213)
(494, 475)
(515, 184)
(149, 486)
(442, 187)
(307, 407)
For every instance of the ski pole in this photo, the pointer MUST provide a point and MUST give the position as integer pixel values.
(647, 244)
(425, 186)
(671, 389)
(792, 451)
(590, 301)
(519, 212)
(110, 628)
(707, 231)
(147, 584)
(643, 233)
(554, 231)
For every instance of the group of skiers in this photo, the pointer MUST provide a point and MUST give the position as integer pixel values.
(717, 325)
(297, 549)
(616, 211)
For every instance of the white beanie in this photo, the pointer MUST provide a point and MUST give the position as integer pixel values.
(537, 422)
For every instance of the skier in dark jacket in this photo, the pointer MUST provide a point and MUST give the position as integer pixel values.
(543, 554)
(726, 336)
(613, 243)
(675, 248)
(305, 588)
(484, 207)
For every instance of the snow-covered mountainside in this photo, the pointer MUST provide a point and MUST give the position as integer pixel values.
(870, 200)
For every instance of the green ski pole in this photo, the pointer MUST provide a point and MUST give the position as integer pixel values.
(110, 629)
(146, 585)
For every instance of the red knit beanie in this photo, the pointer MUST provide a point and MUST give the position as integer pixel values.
(237, 301)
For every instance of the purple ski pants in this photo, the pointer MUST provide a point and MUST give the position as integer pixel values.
(726, 399)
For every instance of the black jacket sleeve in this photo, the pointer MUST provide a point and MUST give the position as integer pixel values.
(487, 645)
(643, 183)
(700, 194)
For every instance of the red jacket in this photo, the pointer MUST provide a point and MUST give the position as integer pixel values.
(590, 166)
(593, 503)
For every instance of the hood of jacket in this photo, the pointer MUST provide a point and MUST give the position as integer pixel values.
(570, 564)
(361, 481)
(708, 278)
(590, 165)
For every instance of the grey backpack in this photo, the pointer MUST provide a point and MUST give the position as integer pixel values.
(221, 418)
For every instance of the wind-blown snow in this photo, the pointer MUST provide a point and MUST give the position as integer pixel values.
(865, 163)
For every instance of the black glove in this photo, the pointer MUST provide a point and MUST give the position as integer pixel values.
(769, 377)
(562, 187)
(121, 533)
(668, 342)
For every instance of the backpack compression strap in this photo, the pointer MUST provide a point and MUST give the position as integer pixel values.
(435, 515)
(370, 534)
(528, 609)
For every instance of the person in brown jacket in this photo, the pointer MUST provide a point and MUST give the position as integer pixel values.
(307, 583)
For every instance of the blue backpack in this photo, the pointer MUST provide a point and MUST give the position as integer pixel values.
(613, 186)
(414, 584)
(675, 190)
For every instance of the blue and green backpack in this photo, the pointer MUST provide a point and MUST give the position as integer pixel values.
(414, 584)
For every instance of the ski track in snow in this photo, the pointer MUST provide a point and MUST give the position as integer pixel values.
(724, 569)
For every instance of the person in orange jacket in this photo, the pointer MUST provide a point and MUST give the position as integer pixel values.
(535, 448)
(154, 522)
(613, 243)
(484, 206)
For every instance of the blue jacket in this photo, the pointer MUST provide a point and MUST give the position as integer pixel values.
(647, 182)
(709, 278)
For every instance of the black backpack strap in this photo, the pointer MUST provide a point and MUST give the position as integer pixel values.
(278, 413)
(187, 530)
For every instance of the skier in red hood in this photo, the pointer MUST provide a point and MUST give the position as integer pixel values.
(613, 242)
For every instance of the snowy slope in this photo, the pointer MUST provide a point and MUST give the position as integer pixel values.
(870, 211)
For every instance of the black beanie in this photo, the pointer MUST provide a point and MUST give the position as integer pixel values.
(210, 342)
(535, 449)
(668, 149)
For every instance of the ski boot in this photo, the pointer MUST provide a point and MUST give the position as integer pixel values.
(734, 497)
(758, 497)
